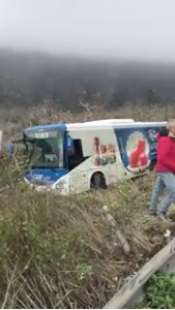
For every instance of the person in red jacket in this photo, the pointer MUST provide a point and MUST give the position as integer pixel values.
(165, 171)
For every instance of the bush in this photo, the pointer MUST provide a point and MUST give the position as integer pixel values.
(160, 292)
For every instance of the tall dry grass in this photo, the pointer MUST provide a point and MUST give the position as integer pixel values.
(13, 120)
(65, 252)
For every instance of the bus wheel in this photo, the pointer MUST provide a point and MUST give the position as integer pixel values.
(98, 181)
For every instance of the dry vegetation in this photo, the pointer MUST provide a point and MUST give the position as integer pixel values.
(13, 120)
(59, 252)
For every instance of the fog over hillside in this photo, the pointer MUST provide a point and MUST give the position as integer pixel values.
(29, 78)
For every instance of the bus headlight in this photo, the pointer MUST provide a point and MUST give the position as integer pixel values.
(61, 186)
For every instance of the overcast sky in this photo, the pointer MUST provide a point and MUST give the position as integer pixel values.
(134, 29)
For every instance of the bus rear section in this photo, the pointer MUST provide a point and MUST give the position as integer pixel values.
(137, 145)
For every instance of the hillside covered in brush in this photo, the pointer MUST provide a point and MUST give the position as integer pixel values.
(74, 251)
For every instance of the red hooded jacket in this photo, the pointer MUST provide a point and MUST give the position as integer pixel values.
(165, 154)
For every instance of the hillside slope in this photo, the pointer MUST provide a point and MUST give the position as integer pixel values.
(67, 251)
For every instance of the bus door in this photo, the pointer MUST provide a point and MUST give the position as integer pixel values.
(75, 158)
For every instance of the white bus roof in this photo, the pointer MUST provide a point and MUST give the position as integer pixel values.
(112, 123)
(100, 123)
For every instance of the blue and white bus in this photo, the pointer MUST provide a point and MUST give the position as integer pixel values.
(72, 158)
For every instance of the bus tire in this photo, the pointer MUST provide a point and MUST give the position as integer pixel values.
(98, 181)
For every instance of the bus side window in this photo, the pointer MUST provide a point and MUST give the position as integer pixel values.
(76, 157)
(78, 148)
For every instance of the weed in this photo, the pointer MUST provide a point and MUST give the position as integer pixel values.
(160, 292)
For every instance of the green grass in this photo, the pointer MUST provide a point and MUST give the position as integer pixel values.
(160, 292)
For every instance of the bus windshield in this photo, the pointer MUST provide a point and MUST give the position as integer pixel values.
(45, 149)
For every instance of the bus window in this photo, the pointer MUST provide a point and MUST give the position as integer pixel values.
(76, 156)
(70, 146)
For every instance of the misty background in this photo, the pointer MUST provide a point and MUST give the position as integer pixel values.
(71, 52)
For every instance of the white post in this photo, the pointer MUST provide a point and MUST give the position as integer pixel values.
(0, 141)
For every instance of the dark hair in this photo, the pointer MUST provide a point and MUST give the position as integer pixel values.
(163, 131)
